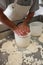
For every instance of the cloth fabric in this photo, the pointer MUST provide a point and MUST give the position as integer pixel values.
(34, 4)
(34, 7)
(25, 3)
(5, 3)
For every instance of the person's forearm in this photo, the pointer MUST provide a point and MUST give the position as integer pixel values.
(29, 17)
(6, 21)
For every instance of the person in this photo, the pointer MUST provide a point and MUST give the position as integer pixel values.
(20, 29)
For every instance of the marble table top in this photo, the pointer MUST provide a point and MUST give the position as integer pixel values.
(32, 55)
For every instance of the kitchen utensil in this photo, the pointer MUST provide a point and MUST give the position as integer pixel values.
(36, 28)
(22, 41)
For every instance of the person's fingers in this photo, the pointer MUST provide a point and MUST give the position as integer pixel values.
(27, 29)
(22, 29)
(17, 31)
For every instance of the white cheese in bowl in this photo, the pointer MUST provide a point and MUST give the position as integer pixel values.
(22, 41)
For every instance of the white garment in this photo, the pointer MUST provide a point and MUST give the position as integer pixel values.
(16, 12)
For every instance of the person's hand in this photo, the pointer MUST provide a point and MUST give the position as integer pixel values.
(22, 29)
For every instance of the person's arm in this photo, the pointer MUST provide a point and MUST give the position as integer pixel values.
(6, 21)
(29, 17)
(34, 7)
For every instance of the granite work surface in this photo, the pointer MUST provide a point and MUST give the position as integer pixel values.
(11, 55)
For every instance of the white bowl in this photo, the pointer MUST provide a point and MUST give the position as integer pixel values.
(22, 41)
(36, 28)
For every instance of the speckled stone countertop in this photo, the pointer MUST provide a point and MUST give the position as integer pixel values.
(32, 55)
